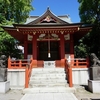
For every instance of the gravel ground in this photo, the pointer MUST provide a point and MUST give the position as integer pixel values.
(82, 93)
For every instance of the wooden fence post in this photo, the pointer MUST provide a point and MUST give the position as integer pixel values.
(20, 64)
(76, 62)
(9, 62)
(26, 77)
(87, 61)
(70, 77)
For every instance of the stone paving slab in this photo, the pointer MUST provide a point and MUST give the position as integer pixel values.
(49, 90)
(80, 93)
(49, 96)
(12, 95)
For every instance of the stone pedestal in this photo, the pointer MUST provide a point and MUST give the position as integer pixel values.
(16, 78)
(94, 86)
(94, 73)
(4, 86)
(94, 82)
(3, 74)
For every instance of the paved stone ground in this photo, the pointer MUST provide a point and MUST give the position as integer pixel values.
(50, 96)
(81, 94)
(12, 95)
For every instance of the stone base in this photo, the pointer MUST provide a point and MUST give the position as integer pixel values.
(4, 86)
(80, 76)
(94, 73)
(3, 74)
(94, 86)
(16, 78)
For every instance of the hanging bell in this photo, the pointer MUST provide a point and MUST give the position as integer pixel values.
(49, 55)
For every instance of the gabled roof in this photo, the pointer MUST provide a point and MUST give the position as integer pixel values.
(48, 17)
(48, 23)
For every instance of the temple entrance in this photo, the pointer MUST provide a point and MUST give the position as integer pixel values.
(43, 48)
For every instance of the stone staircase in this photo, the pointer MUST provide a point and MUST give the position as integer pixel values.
(48, 77)
(48, 80)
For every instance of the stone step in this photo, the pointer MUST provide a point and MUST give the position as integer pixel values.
(49, 75)
(43, 72)
(49, 81)
(46, 78)
(48, 70)
(48, 85)
(49, 90)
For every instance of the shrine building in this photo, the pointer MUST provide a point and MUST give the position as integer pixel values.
(48, 39)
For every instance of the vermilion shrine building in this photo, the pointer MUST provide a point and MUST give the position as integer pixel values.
(48, 39)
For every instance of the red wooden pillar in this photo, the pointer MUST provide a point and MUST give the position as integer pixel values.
(72, 60)
(71, 47)
(25, 47)
(62, 50)
(34, 46)
(59, 50)
(37, 50)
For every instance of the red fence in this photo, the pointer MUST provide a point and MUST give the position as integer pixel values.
(28, 64)
(79, 63)
(75, 63)
(22, 64)
(19, 63)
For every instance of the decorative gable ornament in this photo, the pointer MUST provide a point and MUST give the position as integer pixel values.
(48, 36)
(48, 19)
(30, 37)
(67, 37)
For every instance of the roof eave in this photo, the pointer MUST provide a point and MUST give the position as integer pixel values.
(47, 25)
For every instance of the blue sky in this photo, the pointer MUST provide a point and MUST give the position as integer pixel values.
(58, 7)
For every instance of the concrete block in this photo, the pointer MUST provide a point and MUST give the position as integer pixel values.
(16, 78)
(80, 76)
(4, 86)
(94, 86)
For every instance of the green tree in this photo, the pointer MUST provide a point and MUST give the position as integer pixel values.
(18, 10)
(12, 11)
(89, 11)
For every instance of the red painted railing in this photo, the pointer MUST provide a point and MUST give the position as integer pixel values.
(79, 63)
(75, 63)
(28, 73)
(19, 63)
(26, 64)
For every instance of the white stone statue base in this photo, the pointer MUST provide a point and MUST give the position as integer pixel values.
(94, 86)
(4, 86)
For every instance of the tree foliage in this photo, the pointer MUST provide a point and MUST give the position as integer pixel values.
(12, 11)
(89, 11)
(18, 10)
